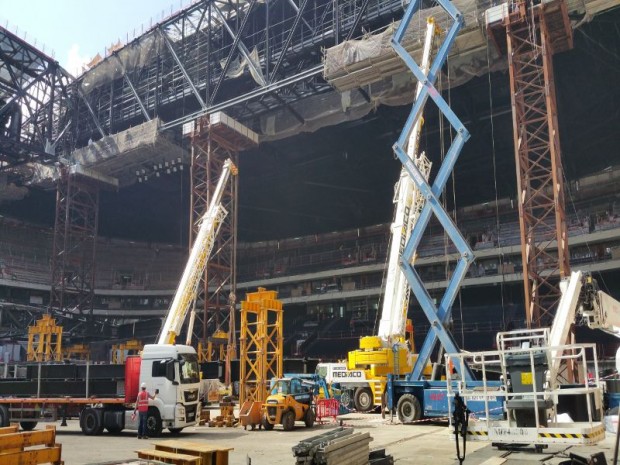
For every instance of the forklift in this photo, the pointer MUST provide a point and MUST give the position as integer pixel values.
(290, 400)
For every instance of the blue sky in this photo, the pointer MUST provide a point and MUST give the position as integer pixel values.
(76, 30)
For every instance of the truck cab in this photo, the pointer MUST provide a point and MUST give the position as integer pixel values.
(172, 371)
(169, 371)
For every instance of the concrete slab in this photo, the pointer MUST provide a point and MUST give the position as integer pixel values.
(420, 444)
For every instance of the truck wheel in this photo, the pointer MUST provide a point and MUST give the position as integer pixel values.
(288, 420)
(4, 416)
(28, 425)
(91, 423)
(309, 418)
(153, 424)
(268, 426)
(114, 429)
(363, 400)
(408, 408)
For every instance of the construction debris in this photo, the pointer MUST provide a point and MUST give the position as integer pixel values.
(338, 446)
(205, 417)
(227, 414)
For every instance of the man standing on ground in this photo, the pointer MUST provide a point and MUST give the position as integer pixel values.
(142, 406)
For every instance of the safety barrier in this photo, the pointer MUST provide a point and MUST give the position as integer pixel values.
(326, 408)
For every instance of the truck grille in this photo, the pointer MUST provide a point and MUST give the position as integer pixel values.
(271, 412)
(191, 395)
(190, 413)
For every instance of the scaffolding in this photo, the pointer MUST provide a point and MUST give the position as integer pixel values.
(261, 344)
(216, 139)
(35, 104)
(74, 246)
(248, 57)
(533, 33)
(44, 341)
(75, 240)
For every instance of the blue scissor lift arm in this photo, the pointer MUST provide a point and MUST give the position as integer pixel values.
(437, 316)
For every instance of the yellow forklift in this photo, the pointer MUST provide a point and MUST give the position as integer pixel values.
(290, 400)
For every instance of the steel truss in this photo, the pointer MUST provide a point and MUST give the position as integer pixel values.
(248, 57)
(35, 103)
(74, 246)
(534, 34)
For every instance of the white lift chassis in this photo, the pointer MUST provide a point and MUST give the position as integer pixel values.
(549, 395)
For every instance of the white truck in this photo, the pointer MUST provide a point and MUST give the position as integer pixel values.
(103, 396)
(169, 370)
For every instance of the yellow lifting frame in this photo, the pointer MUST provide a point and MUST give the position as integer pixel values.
(122, 350)
(261, 344)
(77, 352)
(44, 340)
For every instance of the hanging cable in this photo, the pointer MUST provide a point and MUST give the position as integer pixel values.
(500, 255)
(454, 209)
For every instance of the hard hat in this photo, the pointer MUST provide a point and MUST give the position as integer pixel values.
(143, 385)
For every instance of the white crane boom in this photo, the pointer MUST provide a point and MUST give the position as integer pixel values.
(197, 261)
(409, 202)
(583, 303)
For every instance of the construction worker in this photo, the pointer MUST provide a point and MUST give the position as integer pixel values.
(142, 406)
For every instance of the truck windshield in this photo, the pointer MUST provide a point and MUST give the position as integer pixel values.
(189, 369)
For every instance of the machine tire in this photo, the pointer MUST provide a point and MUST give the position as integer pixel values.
(309, 418)
(153, 424)
(175, 431)
(363, 400)
(346, 398)
(4, 416)
(268, 426)
(288, 420)
(90, 422)
(408, 408)
(28, 425)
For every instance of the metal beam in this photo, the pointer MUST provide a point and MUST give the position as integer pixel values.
(182, 68)
(133, 89)
(231, 53)
(287, 42)
(242, 48)
(316, 71)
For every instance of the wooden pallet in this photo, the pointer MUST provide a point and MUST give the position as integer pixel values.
(170, 458)
(209, 454)
(24, 448)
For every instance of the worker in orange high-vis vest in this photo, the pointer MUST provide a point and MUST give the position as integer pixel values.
(142, 406)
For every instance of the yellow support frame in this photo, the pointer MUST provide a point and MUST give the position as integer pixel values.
(44, 341)
(261, 344)
(77, 352)
(215, 348)
(132, 346)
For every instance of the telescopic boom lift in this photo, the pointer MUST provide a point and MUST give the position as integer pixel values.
(194, 269)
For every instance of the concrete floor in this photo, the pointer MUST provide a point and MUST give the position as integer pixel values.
(426, 443)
